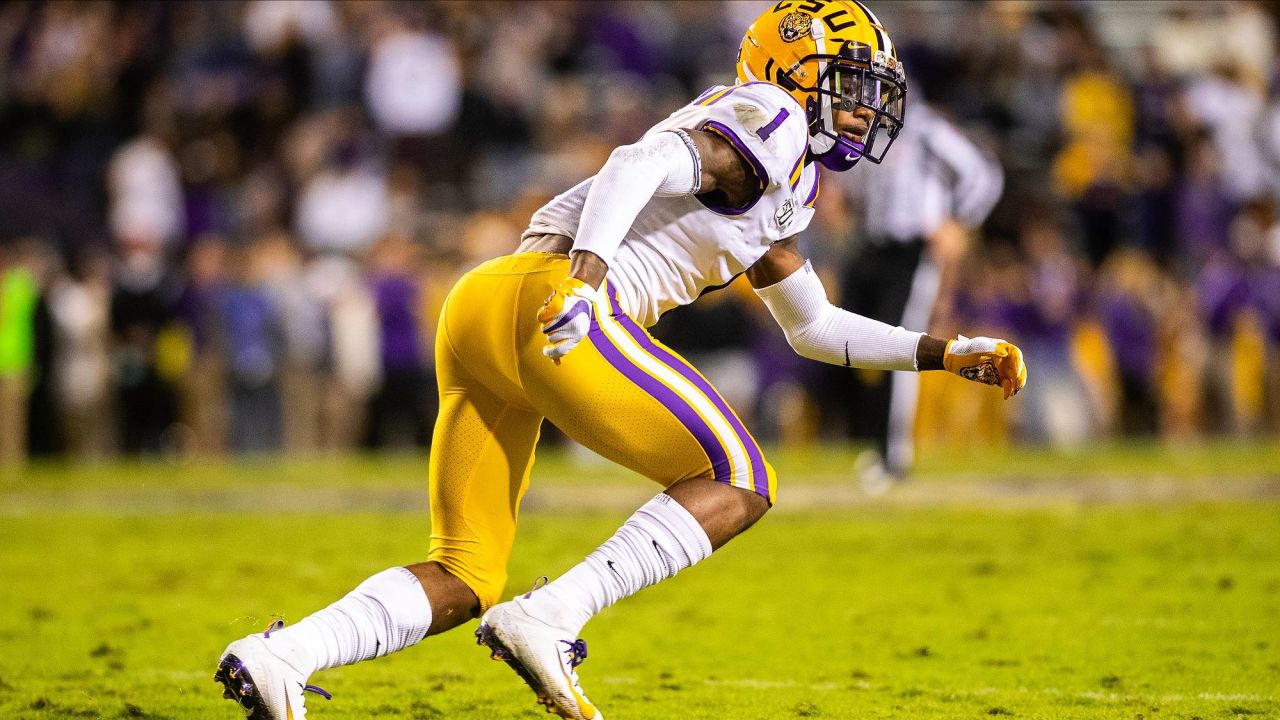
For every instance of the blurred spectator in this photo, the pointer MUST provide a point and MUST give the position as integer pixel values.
(1265, 295)
(1156, 96)
(354, 350)
(80, 304)
(1233, 291)
(1093, 167)
(1204, 209)
(200, 306)
(146, 195)
(1128, 304)
(210, 168)
(271, 25)
(255, 345)
(305, 336)
(413, 84)
(1156, 204)
(402, 410)
(1269, 142)
(1230, 111)
(343, 208)
(19, 296)
(1223, 293)
(1041, 306)
(1186, 40)
(142, 308)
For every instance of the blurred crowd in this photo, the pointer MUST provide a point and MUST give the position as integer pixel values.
(227, 227)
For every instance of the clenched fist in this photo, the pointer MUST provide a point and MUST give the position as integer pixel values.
(989, 361)
(566, 317)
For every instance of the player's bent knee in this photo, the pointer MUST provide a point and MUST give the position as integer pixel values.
(486, 583)
(757, 504)
(723, 510)
(760, 483)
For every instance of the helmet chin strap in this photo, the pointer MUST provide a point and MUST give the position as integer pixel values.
(834, 151)
(843, 155)
(821, 143)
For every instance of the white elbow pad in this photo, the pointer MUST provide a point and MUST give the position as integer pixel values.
(821, 331)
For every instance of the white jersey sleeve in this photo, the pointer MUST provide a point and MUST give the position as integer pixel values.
(679, 246)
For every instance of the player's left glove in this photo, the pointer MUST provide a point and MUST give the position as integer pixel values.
(566, 317)
(990, 361)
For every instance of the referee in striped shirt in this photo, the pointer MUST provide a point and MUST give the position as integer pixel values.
(919, 207)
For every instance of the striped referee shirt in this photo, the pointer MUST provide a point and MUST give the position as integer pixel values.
(933, 173)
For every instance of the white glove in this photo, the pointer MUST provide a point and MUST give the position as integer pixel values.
(989, 361)
(566, 317)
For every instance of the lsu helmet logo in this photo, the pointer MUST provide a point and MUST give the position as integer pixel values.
(794, 26)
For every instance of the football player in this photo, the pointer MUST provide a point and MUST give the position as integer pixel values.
(556, 330)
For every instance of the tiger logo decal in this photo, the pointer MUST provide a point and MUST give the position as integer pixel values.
(795, 26)
(984, 372)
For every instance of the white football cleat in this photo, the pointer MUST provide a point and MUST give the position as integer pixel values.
(545, 657)
(264, 685)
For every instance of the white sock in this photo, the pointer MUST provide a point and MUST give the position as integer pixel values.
(386, 613)
(658, 541)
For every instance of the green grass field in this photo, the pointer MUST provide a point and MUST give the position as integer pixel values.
(1118, 583)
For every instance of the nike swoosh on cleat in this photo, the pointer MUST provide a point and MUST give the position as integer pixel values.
(288, 706)
(584, 706)
(847, 363)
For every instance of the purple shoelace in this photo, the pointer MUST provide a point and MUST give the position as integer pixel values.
(319, 691)
(577, 652)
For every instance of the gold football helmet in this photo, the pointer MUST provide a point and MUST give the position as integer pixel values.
(830, 54)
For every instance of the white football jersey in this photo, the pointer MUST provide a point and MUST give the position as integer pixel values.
(680, 246)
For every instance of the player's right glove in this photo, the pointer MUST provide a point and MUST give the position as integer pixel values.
(566, 317)
(989, 361)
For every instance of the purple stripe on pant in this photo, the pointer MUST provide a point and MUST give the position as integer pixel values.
(759, 477)
(707, 440)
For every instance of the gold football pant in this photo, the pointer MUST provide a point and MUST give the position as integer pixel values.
(619, 393)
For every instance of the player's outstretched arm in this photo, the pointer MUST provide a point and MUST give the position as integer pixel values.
(818, 330)
(668, 163)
